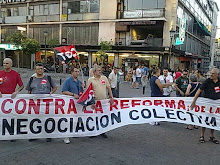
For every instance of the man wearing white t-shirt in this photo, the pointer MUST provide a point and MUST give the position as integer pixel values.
(166, 79)
(138, 77)
(113, 81)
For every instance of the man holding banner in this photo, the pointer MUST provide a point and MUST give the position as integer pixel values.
(157, 87)
(211, 88)
(41, 84)
(100, 84)
(9, 80)
(72, 86)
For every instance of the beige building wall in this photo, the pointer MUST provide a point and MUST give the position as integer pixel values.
(171, 16)
(108, 9)
(107, 32)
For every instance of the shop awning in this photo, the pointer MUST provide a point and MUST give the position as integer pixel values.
(9, 47)
(203, 27)
(195, 56)
(135, 57)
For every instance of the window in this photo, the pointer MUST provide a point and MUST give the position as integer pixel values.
(94, 6)
(89, 6)
(149, 4)
(31, 10)
(8, 12)
(15, 11)
(161, 4)
(22, 11)
(143, 4)
(81, 34)
(73, 7)
(47, 9)
(54, 9)
(134, 5)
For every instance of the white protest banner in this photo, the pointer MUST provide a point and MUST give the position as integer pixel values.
(58, 116)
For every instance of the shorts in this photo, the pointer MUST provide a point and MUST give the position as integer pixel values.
(133, 79)
(138, 79)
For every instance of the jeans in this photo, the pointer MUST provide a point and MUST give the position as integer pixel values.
(114, 93)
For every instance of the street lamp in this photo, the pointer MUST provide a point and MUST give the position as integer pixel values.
(172, 33)
(45, 44)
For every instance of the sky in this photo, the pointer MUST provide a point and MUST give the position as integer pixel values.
(218, 21)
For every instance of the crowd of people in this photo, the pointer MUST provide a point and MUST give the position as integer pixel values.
(185, 83)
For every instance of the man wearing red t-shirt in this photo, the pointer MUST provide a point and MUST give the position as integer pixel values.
(9, 80)
(177, 74)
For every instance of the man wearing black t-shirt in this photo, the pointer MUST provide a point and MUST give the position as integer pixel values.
(181, 84)
(211, 88)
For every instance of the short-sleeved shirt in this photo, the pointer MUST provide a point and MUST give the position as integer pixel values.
(113, 77)
(211, 89)
(166, 80)
(99, 87)
(40, 85)
(145, 71)
(182, 84)
(138, 72)
(9, 81)
(72, 86)
(177, 75)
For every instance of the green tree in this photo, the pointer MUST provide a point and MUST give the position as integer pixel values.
(53, 42)
(24, 44)
(16, 39)
(105, 47)
(30, 46)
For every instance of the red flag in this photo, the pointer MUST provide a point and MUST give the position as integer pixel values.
(87, 98)
(66, 53)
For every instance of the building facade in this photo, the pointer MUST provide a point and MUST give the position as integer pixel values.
(217, 53)
(139, 30)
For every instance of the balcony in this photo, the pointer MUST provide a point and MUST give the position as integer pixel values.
(150, 42)
(83, 16)
(15, 19)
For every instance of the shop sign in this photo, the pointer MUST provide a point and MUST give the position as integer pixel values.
(64, 17)
(182, 30)
(152, 13)
(133, 14)
(138, 23)
(12, 1)
(9, 47)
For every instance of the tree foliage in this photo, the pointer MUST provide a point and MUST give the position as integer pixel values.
(16, 39)
(52, 43)
(105, 46)
(28, 45)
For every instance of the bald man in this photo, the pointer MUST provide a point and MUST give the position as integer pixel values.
(9, 79)
(211, 88)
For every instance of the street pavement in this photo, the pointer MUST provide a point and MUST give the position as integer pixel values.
(167, 144)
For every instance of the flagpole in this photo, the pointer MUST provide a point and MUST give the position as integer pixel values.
(81, 71)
